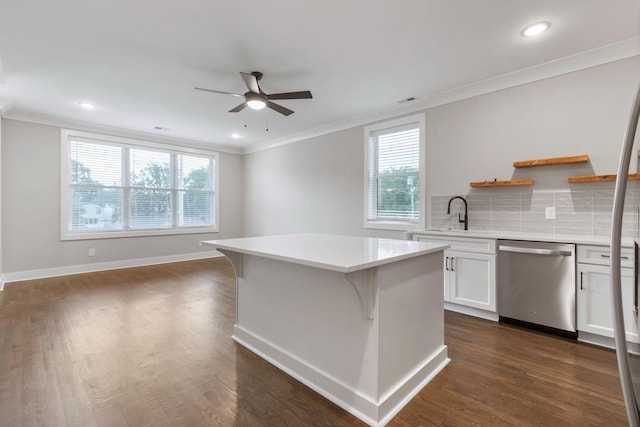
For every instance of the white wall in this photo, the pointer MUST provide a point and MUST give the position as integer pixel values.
(1, 265)
(317, 184)
(31, 209)
(310, 186)
(583, 112)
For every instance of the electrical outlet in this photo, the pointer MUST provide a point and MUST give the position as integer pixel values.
(92, 252)
(550, 212)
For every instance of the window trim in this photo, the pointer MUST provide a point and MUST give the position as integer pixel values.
(418, 119)
(66, 234)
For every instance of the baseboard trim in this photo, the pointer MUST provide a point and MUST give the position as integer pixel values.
(409, 387)
(360, 406)
(19, 276)
(608, 342)
(372, 412)
(471, 311)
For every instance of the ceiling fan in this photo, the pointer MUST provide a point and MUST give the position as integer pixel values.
(256, 99)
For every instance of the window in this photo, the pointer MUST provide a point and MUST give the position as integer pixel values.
(394, 180)
(118, 187)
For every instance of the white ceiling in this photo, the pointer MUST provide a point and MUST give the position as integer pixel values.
(138, 60)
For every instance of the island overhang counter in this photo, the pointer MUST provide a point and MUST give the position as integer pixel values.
(359, 320)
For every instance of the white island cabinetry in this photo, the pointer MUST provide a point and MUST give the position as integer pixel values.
(359, 320)
(470, 274)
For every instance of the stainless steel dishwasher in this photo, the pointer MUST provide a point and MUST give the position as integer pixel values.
(537, 285)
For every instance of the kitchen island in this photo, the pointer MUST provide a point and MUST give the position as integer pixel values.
(358, 320)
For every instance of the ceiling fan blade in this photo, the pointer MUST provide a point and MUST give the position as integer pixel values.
(251, 81)
(279, 108)
(305, 94)
(238, 108)
(218, 91)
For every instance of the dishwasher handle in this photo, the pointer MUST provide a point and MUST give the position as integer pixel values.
(535, 251)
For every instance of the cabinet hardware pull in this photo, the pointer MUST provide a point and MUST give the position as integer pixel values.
(446, 263)
(581, 279)
(452, 258)
(609, 256)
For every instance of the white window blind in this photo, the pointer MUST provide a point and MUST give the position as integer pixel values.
(113, 189)
(394, 175)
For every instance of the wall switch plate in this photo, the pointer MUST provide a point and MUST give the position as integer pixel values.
(92, 252)
(550, 212)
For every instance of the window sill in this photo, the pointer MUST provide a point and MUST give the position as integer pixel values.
(393, 225)
(92, 235)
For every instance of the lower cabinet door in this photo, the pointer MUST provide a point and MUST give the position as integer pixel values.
(472, 279)
(447, 277)
(594, 301)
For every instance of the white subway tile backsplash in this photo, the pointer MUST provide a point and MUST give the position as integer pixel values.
(534, 218)
(583, 211)
(574, 231)
(540, 229)
(508, 203)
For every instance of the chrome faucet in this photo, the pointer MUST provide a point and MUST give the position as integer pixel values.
(464, 220)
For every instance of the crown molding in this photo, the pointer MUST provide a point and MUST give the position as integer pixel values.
(587, 59)
(25, 116)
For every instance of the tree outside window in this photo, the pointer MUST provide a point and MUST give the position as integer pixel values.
(119, 188)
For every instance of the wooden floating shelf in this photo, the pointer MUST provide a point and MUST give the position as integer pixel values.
(600, 178)
(582, 158)
(509, 183)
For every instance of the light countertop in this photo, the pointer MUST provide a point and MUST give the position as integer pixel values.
(344, 254)
(538, 237)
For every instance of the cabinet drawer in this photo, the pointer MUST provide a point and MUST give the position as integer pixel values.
(599, 255)
(466, 244)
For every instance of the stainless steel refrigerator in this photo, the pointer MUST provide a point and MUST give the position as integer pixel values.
(628, 364)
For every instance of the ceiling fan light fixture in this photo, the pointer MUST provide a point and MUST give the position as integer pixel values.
(255, 101)
(256, 104)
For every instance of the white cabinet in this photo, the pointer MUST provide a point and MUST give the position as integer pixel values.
(594, 313)
(470, 274)
(470, 279)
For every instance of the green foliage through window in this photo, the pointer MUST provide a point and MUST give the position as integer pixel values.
(398, 194)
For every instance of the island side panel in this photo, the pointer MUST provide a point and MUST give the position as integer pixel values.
(411, 316)
(313, 316)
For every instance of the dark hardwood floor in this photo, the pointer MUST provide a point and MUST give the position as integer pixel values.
(151, 346)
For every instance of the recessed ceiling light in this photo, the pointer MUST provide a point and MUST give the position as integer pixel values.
(235, 135)
(87, 105)
(535, 29)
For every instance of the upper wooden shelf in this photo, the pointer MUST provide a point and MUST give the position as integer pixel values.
(496, 183)
(582, 158)
(600, 178)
